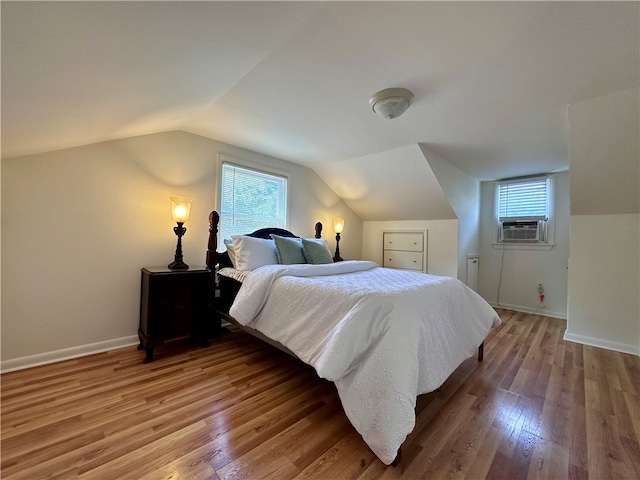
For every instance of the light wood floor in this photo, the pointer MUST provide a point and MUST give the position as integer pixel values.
(537, 407)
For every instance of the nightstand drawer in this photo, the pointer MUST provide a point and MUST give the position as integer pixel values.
(171, 304)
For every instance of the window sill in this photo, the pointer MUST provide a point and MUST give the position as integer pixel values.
(523, 246)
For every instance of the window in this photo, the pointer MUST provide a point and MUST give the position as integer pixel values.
(523, 199)
(522, 209)
(251, 199)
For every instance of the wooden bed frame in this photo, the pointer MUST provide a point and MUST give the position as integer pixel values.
(221, 260)
(229, 287)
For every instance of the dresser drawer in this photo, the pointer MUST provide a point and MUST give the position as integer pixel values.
(409, 241)
(403, 259)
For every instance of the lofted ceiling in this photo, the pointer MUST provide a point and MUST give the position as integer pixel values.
(492, 80)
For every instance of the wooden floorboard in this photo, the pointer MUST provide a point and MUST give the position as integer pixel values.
(536, 408)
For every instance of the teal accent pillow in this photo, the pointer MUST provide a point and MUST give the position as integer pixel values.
(316, 252)
(288, 250)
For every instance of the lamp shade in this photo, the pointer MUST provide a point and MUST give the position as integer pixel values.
(338, 224)
(391, 102)
(180, 208)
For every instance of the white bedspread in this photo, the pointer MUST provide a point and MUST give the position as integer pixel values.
(383, 336)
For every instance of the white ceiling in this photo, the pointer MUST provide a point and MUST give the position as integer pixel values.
(492, 80)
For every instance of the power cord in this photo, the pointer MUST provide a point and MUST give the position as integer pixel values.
(500, 278)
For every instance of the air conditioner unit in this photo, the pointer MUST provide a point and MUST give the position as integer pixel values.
(522, 231)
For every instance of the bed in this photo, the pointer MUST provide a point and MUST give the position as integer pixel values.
(383, 336)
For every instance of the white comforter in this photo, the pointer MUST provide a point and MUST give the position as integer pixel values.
(383, 336)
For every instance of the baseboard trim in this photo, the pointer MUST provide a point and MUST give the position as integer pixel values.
(537, 311)
(600, 343)
(66, 354)
(573, 337)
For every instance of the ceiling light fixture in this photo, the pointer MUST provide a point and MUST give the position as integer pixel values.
(391, 102)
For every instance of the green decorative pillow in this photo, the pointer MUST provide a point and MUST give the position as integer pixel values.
(288, 250)
(316, 251)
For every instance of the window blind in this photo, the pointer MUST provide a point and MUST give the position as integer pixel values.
(520, 199)
(250, 200)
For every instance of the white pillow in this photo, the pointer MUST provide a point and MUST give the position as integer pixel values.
(252, 253)
(232, 253)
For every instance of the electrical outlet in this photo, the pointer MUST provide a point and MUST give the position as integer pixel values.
(541, 295)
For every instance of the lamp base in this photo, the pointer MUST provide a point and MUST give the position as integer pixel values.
(177, 265)
(337, 257)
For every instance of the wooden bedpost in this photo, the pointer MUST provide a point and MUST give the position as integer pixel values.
(481, 352)
(318, 230)
(212, 247)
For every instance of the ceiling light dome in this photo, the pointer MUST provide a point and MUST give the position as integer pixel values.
(391, 102)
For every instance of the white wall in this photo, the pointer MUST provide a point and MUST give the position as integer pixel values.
(394, 185)
(516, 270)
(604, 270)
(78, 224)
(442, 242)
(463, 192)
(604, 163)
(411, 186)
(604, 286)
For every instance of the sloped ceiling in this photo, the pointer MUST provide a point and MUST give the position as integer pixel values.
(491, 80)
(398, 184)
(605, 157)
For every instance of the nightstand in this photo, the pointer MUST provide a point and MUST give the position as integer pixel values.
(176, 303)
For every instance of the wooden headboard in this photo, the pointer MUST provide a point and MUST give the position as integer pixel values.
(214, 257)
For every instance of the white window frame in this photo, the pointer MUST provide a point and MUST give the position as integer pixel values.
(548, 240)
(226, 159)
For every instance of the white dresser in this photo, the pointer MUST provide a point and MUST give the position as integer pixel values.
(406, 250)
